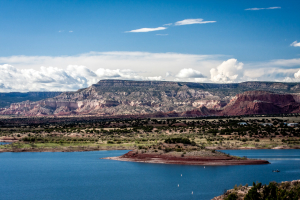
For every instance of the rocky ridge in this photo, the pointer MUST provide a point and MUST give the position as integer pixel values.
(159, 98)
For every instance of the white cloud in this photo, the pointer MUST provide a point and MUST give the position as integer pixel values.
(295, 44)
(227, 72)
(24, 73)
(168, 74)
(123, 74)
(279, 63)
(144, 63)
(143, 30)
(269, 8)
(297, 75)
(179, 23)
(192, 21)
(288, 79)
(70, 31)
(272, 8)
(269, 73)
(189, 73)
(56, 79)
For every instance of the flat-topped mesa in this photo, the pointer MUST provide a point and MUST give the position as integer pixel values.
(265, 85)
(129, 83)
(159, 98)
(265, 96)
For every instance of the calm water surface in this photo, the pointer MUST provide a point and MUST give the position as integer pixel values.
(82, 175)
(3, 143)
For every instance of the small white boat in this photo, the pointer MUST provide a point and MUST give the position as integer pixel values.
(178, 185)
(192, 192)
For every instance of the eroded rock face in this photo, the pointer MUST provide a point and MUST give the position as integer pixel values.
(211, 104)
(119, 97)
(297, 97)
(261, 102)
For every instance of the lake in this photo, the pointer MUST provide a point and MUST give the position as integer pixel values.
(3, 143)
(82, 175)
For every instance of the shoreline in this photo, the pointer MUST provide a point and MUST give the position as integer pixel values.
(62, 149)
(105, 148)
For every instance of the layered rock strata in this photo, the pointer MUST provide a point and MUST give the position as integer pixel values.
(165, 99)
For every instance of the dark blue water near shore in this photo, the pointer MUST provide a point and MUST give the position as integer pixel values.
(82, 175)
(3, 143)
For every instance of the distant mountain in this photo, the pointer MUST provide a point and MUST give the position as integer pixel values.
(13, 97)
(161, 98)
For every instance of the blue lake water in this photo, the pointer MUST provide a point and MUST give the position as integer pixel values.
(82, 175)
(3, 143)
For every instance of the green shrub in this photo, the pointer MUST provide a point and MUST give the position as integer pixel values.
(178, 140)
(232, 196)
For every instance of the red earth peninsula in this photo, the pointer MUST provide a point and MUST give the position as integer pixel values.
(183, 154)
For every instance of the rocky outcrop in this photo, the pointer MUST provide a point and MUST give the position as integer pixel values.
(211, 104)
(296, 97)
(261, 102)
(202, 111)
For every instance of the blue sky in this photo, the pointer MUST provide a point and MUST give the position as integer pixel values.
(43, 33)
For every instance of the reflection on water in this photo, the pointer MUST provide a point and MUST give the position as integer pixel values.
(82, 175)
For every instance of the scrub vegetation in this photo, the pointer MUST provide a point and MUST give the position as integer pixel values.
(218, 133)
(288, 190)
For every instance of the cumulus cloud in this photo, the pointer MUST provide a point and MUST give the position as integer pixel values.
(271, 73)
(143, 30)
(297, 75)
(192, 21)
(227, 72)
(269, 8)
(56, 79)
(295, 44)
(189, 73)
(143, 63)
(66, 73)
